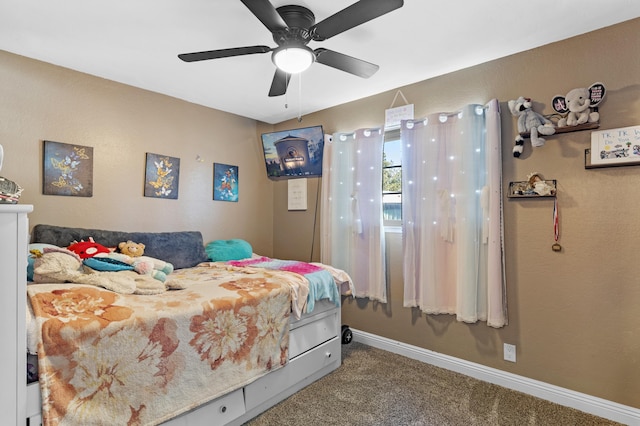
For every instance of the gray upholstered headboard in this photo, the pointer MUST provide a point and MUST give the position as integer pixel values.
(183, 249)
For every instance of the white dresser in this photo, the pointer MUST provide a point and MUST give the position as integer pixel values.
(14, 235)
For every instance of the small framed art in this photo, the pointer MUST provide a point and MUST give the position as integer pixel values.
(614, 147)
(225, 182)
(161, 176)
(67, 169)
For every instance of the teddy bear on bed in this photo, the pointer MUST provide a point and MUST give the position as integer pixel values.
(159, 269)
(580, 105)
(530, 122)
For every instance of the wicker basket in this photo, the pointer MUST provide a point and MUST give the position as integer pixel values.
(9, 191)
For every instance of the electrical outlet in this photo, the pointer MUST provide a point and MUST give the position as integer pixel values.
(509, 352)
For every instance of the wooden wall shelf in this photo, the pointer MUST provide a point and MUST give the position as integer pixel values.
(523, 189)
(567, 129)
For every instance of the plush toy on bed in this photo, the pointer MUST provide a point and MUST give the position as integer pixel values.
(101, 258)
(87, 249)
(159, 269)
(530, 122)
(59, 265)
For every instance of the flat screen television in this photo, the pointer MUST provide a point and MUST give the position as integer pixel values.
(295, 153)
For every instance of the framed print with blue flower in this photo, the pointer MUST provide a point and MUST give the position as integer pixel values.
(225, 182)
(67, 169)
(161, 176)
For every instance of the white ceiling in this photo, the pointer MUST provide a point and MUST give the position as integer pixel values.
(136, 42)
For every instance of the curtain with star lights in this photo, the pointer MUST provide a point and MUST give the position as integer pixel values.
(452, 214)
(352, 221)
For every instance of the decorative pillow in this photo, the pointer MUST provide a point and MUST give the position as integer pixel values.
(223, 250)
(31, 257)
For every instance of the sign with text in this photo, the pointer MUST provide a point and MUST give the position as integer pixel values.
(615, 146)
(393, 116)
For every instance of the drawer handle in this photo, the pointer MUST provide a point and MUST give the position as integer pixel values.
(328, 354)
(223, 409)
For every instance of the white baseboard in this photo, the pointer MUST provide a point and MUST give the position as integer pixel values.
(580, 401)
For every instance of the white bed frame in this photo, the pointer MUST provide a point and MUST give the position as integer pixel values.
(314, 347)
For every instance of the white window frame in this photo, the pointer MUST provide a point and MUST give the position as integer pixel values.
(392, 135)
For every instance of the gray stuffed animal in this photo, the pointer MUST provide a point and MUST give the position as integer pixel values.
(530, 122)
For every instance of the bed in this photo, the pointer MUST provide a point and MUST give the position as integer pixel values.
(231, 340)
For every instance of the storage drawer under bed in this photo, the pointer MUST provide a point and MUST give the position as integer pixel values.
(217, 412)
(293, 373)
(307, 335)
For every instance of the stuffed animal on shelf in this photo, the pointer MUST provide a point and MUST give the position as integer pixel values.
(579, 105)
(540, 186)
(530, 122)
(59, 265)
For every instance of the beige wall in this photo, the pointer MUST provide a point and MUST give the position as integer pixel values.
(575, 315)
(40, 101)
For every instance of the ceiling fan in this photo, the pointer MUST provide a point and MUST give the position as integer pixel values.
(293, 27)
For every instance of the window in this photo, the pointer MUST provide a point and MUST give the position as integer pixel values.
(392, 178)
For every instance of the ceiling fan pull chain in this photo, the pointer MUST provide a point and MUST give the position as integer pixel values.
(286, 94)
(300, 98)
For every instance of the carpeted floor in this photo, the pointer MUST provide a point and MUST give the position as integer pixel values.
(375, 387)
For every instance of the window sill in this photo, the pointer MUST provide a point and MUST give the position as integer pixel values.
(394, 229)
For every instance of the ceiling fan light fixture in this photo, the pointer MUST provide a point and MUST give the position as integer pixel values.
(293, 59)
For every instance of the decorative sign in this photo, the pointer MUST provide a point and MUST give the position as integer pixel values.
(297, 194)
(393, 116)
(615, 146)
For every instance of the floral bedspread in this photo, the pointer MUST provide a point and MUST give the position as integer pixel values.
(108, 358)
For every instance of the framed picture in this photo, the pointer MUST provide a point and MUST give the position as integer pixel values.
(161, 176)
(614, 147)
(225, 182)
(67, 169)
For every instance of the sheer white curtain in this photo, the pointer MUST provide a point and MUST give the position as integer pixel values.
(352, 225)
(452, 215)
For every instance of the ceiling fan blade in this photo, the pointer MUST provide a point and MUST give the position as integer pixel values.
(279, 83)
(266, 13)
(352, 16)
(223, 53)
(345, 63)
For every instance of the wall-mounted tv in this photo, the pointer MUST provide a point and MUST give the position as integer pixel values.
(295, 153)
